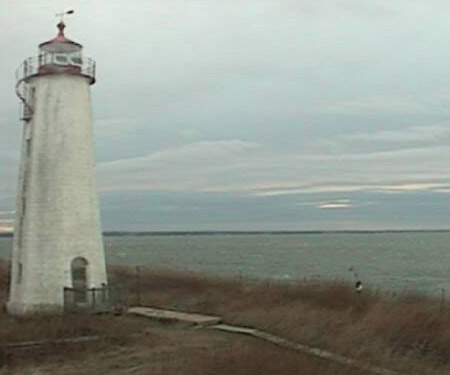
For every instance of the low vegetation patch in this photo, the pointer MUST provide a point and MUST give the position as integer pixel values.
(409, 333)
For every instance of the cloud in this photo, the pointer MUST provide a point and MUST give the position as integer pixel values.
(7, 213)
(195, 166)
(382, 104)
(422, 134)
(308, 189)
(217, 151)
(6, 225)
(401, 188)
(349, 188)
(338, 204)
(263, 100)
(236, 165)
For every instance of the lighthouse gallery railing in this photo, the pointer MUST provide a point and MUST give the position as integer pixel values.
(31, 67)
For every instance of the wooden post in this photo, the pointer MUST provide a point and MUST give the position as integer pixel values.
(93, 299)
(138, 285)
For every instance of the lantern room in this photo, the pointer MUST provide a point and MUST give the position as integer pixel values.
(59, 55)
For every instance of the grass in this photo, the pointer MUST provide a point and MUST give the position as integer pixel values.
(409, 333)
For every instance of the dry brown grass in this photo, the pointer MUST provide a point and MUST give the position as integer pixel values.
(410, 333)
(174, 350)
(243, 358)
(63, 326)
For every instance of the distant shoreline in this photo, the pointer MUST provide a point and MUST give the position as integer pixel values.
(276, 232)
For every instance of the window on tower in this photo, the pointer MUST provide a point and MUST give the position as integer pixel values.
(19, 273)
(76, 60)
(45, 58)
(61, 59)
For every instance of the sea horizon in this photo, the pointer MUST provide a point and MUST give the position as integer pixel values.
(256, 232)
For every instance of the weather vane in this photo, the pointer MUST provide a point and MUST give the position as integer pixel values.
(62, 14)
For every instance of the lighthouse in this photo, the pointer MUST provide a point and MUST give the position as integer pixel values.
(57, 242)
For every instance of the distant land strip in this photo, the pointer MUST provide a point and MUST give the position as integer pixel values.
(269, 232)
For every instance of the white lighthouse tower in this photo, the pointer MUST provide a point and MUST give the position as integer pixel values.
(57, 234)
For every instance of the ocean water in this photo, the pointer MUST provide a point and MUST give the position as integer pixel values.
(391, 261)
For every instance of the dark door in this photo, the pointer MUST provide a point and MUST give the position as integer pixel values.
(79, 280)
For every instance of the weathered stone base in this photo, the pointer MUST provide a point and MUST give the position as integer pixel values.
(24, 309)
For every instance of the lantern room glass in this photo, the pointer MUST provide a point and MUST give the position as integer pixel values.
(60, 58)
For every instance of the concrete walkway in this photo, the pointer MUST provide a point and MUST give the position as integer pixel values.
(279, 341)
(212, 322)
(174, 316)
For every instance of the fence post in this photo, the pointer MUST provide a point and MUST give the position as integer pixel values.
(93, 299)
(138, 285)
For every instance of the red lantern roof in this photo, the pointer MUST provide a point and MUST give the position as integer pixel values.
(60, 43)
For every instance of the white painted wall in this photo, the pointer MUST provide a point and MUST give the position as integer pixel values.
(57, 215)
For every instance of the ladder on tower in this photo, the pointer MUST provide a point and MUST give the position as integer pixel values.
(23, 91)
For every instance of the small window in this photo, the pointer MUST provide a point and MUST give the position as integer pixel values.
(45, 58)
(19, 274)
(61, 59)
(76, 60)
(28, 147)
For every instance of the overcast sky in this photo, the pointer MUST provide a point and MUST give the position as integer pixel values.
(253, 114)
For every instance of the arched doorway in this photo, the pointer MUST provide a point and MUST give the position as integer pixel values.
(79, 279)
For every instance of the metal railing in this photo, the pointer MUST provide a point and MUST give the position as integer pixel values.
(25, 108)
(96, 300)
(44, 64)
(30, 67)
